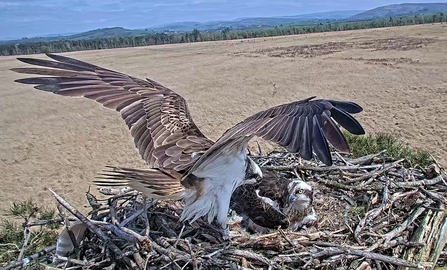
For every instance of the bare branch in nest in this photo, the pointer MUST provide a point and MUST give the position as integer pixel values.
(28, 259)
(376, 173)
(367, 255)
(372, 212)
(115, 250)
(366, 159)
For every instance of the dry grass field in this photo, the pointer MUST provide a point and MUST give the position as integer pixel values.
(397, 74)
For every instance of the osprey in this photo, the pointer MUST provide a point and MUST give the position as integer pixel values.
(274, 202)
(183, 162)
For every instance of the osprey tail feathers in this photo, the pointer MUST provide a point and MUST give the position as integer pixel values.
(154, 183)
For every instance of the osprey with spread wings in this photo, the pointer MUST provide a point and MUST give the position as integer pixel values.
(184, 163)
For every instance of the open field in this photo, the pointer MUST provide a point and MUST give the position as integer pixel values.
(397, 74)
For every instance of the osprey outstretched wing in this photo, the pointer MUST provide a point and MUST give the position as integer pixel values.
(183, 162)
(158, 118)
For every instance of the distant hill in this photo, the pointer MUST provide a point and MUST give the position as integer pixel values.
(399, 10)
(97, 33)
(257, 22)
(242, 23)
(107, 32)
(333, 15)
(249, 23)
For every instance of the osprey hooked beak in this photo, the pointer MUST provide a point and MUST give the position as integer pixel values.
(255, 168)
(252, 172)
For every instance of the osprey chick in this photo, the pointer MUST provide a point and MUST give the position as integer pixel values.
(275, 202)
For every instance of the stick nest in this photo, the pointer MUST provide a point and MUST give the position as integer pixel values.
(373, 213)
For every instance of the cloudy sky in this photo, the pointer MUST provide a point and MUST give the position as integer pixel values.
(30, 18)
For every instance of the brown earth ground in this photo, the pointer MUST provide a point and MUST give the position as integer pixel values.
(397, 74)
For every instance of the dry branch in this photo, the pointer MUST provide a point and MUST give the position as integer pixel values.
(373, 213)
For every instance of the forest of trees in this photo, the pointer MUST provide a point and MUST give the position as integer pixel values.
(197, 36)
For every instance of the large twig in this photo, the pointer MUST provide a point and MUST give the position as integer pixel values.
(384, 242)
(367, 255)
(366, 159)
(29, 258)
(93, 228)
(377, 211)
(322, 169)
(249, 255)
(376, 173)
(27, 236)
(392, 210)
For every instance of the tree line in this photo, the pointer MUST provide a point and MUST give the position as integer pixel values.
(198, 36)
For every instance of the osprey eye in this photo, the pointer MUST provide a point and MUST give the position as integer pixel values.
(301, 191)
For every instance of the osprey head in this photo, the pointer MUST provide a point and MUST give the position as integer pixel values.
(300, 196)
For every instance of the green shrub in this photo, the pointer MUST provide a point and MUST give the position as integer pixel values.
(372, 144)
(12, 235)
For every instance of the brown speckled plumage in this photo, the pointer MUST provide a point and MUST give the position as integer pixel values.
(270, 202)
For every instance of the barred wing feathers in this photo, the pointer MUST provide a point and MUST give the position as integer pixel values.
(158, 118)
(155, 183)
(302, 127)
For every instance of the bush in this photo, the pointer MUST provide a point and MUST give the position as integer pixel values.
(13, 236)
(372, 144)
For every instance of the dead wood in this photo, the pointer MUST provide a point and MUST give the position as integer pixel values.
(373, 213)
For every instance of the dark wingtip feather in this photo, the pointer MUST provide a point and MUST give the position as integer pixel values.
(72, 61)
(56, 57)
(347, 121)
(347, 106)
(24, 81)
(47, 87)
(18, 70)
(45, 80)
(65, 65)
(306, 139)
(18, 81)
(334, 135)
(26, 60)
(308, 99)
(319, 142)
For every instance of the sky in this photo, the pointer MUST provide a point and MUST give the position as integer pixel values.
(32, 18)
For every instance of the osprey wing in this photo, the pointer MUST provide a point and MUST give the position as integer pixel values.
(158, 118)
(303, 127)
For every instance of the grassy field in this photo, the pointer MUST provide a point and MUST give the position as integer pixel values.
(397, 74)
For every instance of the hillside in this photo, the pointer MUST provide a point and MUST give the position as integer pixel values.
(400, 10)
(97, 33)
(108, 32)
(250, 23)
(257, 22)
(241, 23)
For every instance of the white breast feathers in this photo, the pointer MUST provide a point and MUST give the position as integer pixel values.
(220, 178)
